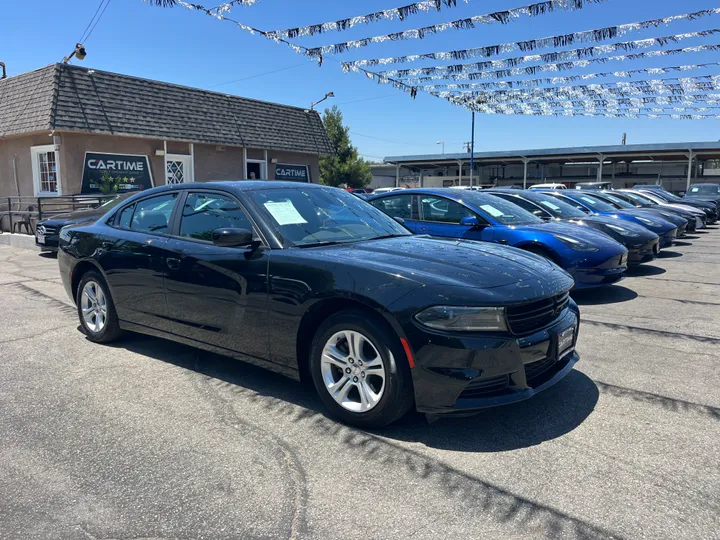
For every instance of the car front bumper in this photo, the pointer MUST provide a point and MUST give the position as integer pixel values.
(667, 239)
(609, 272)
(645, 253)
(464, 374)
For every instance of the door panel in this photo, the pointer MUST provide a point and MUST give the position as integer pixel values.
(217, 295)
(133, 260)
(441, 217)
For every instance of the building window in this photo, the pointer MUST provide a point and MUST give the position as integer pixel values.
(178, 169)
(46, 171)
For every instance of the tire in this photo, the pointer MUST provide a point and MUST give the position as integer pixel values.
(109, 329)
(384, 403)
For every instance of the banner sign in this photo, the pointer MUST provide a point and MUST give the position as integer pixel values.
(293, 173)
(115, 173)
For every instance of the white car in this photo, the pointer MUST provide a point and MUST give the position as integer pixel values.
(548, 186)
(378, 191)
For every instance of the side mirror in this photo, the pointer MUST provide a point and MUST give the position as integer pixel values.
(681, 194)
(470, 222)
(400, 220)
(232, 237)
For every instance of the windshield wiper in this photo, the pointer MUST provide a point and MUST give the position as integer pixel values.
(389, 236)
(319, 244)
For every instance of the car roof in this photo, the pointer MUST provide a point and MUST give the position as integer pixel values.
(236, 185)
(448, 193)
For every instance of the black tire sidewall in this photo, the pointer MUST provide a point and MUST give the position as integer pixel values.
(397, 397)
(111, 328)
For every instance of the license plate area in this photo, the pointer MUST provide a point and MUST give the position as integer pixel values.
(565, 341)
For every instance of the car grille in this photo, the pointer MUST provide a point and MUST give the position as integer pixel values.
(536, 369)
(531, 317)
(486, 387)
(47, 231)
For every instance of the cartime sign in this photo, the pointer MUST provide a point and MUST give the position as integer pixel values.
(295, 173)
(115, 173)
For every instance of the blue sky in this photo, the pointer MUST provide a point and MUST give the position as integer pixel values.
(183, 47)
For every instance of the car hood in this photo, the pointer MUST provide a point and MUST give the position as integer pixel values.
(433, 261)
(598, 239)
(81, 216)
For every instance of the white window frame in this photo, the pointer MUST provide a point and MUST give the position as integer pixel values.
(263, 168)
(35, 152)
(188, 159)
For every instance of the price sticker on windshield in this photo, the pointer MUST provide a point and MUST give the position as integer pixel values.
(285, 213)
(494, 212)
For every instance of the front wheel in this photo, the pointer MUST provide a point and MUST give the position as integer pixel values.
(359, 370)
(96, 309)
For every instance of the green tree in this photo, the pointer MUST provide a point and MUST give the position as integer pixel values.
(109, 184)
(344, 166)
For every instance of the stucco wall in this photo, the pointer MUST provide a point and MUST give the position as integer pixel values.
(210, 163)
(20, 148)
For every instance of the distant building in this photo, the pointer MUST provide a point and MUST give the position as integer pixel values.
(66, 129)
(675, 165)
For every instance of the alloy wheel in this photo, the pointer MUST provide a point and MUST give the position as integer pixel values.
(353, 371)
(93, 303)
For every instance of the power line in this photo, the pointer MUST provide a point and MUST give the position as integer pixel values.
(91, 21)
(98, 20)
(260, 74)
(368, 99)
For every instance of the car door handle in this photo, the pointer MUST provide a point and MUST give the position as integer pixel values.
(173, 264)
(504, 242)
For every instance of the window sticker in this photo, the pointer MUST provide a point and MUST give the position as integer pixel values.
(492, 210)
(284, 213)
(550, 205)
(588, 200)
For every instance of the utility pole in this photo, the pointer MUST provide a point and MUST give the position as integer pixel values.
(472, 150)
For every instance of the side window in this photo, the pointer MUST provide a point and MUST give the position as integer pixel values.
(153, 215)
(576, 205)
(399, 206)
(442, 210)
(125, 217)
(206, 212)
(530, 207)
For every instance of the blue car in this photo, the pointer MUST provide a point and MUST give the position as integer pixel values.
(591, 257)
(591, 204)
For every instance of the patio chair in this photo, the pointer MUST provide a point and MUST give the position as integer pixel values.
(25, 221)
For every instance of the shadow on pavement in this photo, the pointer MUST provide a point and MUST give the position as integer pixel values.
(645, 270)
(48, 254)
(605, 295)
(546, 416)
(680, 243)
(669, 255)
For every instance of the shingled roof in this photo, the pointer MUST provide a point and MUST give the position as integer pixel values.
(71, 98)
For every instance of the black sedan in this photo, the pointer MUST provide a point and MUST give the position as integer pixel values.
(642, 245)
(47, 233)
(314, 283)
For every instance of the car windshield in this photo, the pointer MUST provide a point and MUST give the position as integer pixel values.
(499, 209)
(594, 203)
(112, 203)
(558, 208)
(638, 198)
(305, 217)
(617, 201)
(705, 189)
(652, 197)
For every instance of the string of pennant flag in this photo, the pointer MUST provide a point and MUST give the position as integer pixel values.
(523, 96)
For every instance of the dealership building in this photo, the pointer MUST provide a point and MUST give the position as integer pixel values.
(67, 130)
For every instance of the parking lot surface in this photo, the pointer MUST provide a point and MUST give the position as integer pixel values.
(147, 439)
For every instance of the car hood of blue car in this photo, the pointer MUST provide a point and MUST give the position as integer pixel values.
(591, 236)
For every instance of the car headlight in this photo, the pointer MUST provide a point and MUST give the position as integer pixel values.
(647, 221)
(575, 244)
(623, 231)
(463, 319)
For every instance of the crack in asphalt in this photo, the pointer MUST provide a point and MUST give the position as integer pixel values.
(667, 403)
(91, 536)
(225, 412)
(43, 332)
(664, 333)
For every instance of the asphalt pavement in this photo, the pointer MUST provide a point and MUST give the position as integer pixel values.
(146, 439)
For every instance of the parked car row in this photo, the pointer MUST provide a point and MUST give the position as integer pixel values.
(442, 300)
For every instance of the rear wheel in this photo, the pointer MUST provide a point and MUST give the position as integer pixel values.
(358, 369)
(96, 309)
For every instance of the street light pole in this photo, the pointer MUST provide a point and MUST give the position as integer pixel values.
(472, 150)
(443, 146)
(328, 95)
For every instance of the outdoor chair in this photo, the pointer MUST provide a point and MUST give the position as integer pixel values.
(25, 221)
